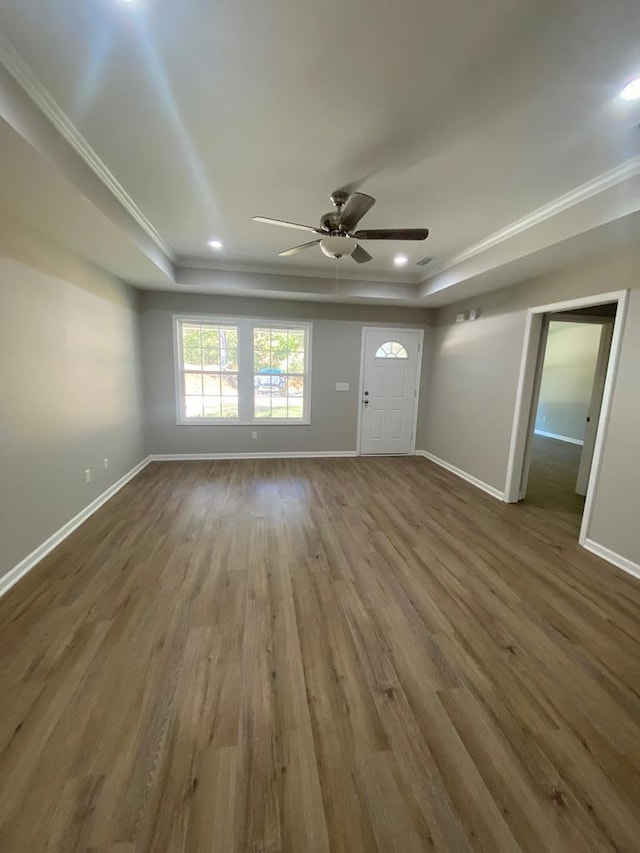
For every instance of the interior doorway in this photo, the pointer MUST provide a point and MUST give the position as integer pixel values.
(570, 387)
(566, 381)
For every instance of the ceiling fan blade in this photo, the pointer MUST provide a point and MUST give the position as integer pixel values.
(297, 249)
(354, 209)
(269, 221)
(360, 255)
(393, 234)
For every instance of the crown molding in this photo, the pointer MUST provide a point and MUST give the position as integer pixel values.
(31, 85)
(606, 181)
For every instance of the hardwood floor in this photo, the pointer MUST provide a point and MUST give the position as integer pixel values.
(551, 491)
(310, 655)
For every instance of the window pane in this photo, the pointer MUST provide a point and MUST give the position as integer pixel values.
(211, 337)
(262, 405)
(295, 407)
(296, 340)
(192, 358)
(191, 347)
(211, 384)
(191, 335)
(229, 407)
(229, 358)
(392, 349)
(279, 345)
(229, 337)
(212, 408)
(229, 383)
(262, 360)
(210, 359)
(295, 386)
(193, 407)
(193, 383)
(261, 349)
(296, 362)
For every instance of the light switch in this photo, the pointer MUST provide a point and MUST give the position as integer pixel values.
(342, 386)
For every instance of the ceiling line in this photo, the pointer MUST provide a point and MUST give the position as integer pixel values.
(27, 80)
(601, 183)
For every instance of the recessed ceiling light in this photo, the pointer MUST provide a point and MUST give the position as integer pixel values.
(631, 91)
(400, 260)
(132, 4)
(215, 244)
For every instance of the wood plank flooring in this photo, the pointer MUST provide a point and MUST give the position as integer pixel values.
(551, 491)
(312, 655)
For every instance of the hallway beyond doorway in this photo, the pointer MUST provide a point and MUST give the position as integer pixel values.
(552, 482)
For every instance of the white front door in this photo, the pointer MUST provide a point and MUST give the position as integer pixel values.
(389, 393)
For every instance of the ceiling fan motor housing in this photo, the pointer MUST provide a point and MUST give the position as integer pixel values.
(330, 222)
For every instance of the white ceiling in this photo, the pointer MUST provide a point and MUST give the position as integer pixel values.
(462, 116)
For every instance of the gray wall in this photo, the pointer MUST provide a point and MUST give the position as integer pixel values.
(467, 417)
(616, 519)
(71, 389)
(567, 378)
(335, 358)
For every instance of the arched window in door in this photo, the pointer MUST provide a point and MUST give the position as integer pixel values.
(392, 349)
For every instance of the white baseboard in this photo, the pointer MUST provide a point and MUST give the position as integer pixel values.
(194, 457)
(611, 557)
(24, 566)
(559, 437)
(490, 490)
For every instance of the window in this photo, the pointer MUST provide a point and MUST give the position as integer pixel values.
(392, 349)
(241, 371)
(278, 372)
(210, 370)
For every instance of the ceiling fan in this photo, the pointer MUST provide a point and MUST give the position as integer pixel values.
(338, 237)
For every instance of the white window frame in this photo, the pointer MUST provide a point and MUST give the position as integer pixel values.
(245, 326)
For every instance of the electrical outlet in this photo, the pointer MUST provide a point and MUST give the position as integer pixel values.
(106, 463)
(87, 475)
(254, 435)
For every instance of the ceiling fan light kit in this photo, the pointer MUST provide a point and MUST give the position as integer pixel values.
(337, 235)
(337, 247)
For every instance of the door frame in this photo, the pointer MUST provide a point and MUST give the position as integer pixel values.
(391, 330)
(599, 378)
(536, 388)
(526, 383)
